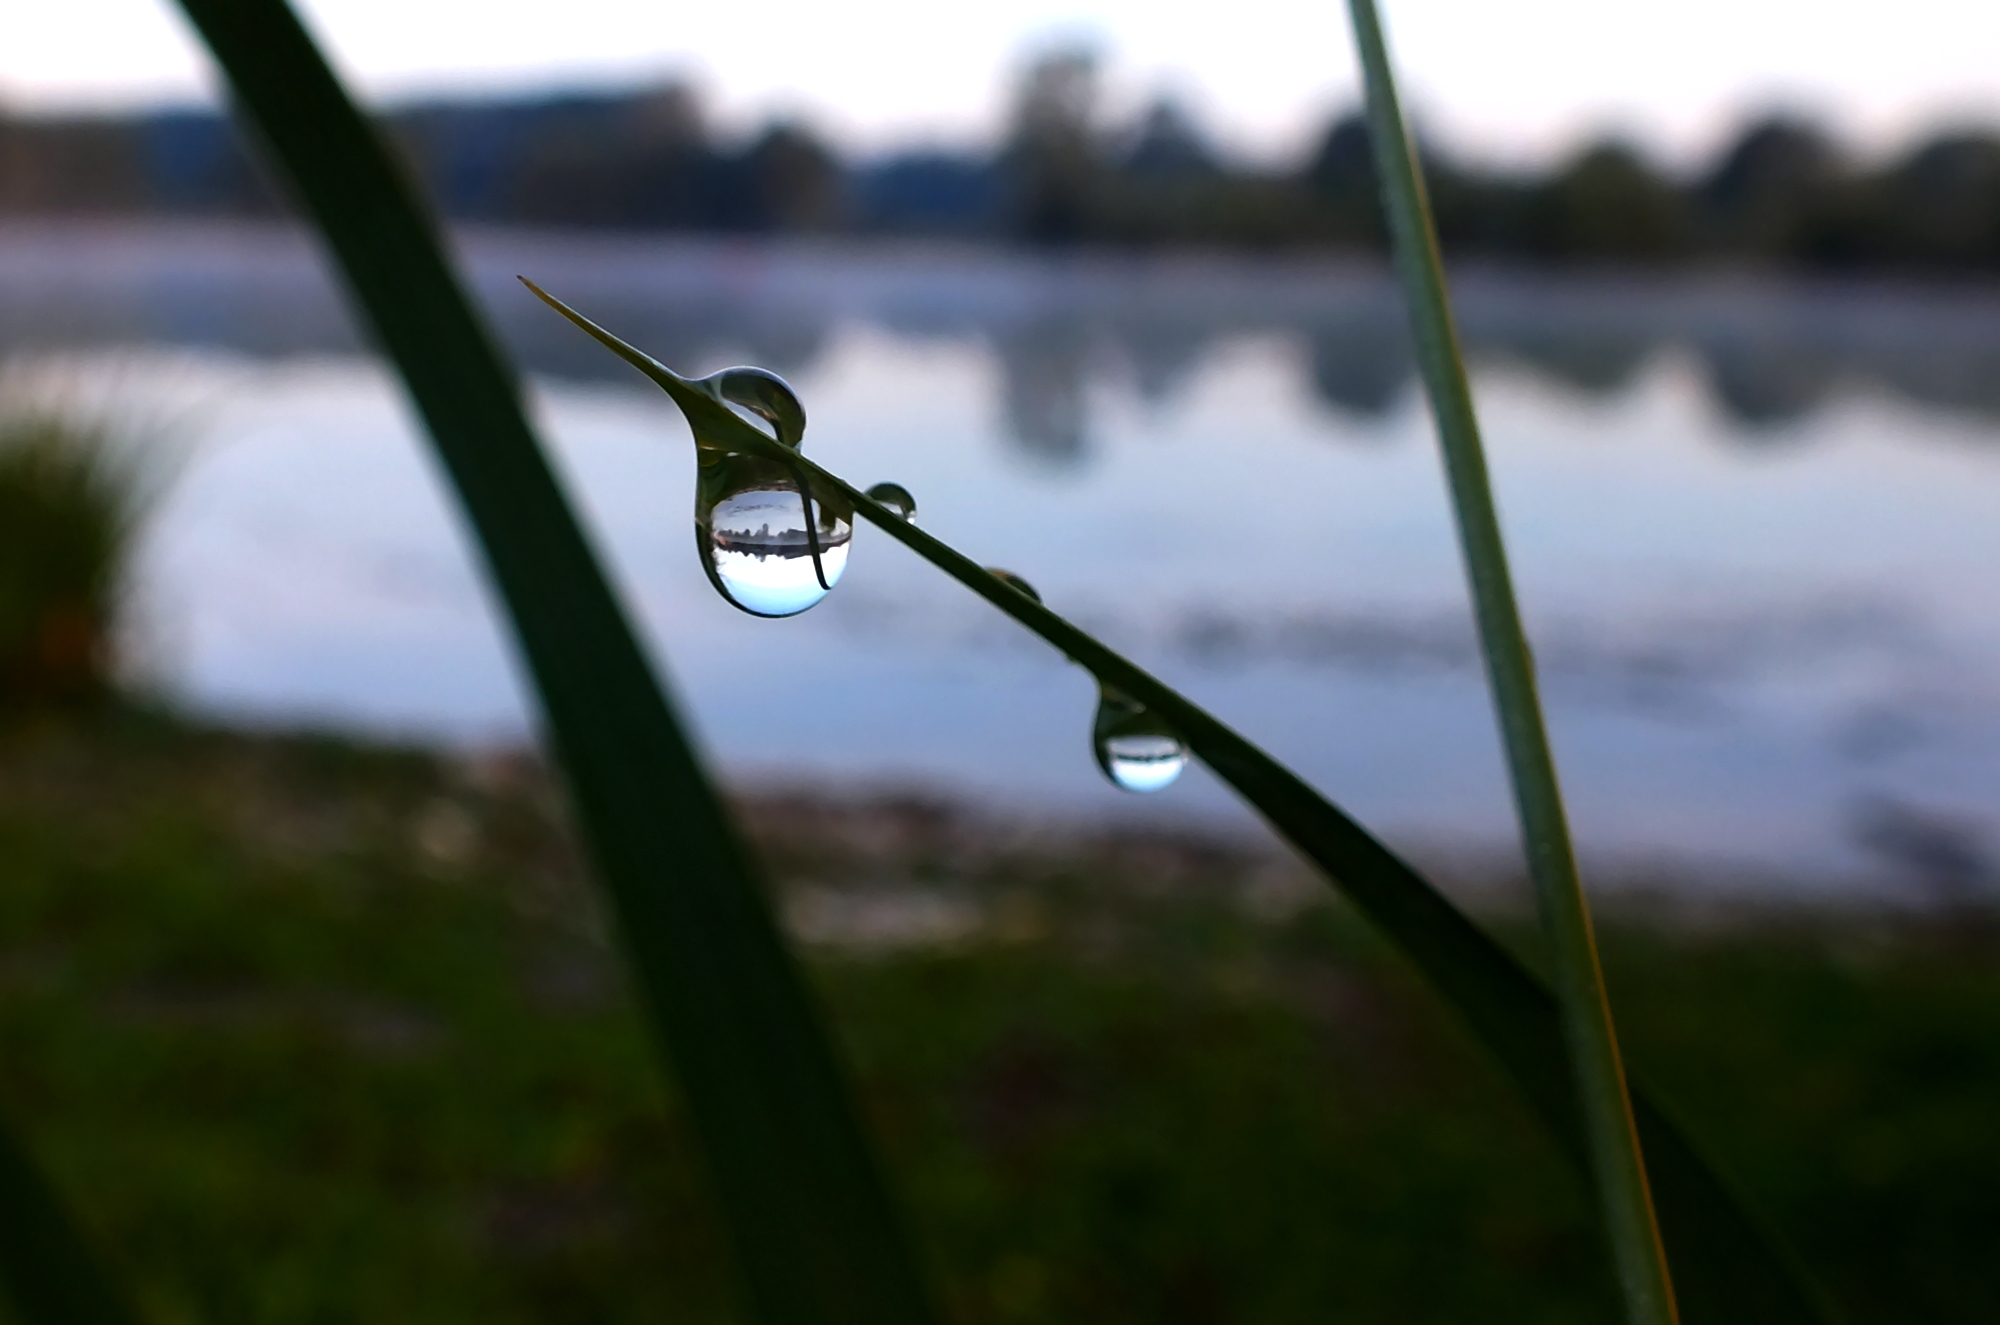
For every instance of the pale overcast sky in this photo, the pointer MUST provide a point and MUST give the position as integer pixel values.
(1520, 78)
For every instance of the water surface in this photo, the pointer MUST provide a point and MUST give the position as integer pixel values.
(1752, 522)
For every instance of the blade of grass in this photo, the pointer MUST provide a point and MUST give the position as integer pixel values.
(812, 1222)
(1733, 1272)
(1612, 1134)
(48, 1268)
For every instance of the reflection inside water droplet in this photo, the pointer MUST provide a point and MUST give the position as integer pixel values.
(897, 498)
(756, 545)
(1136, 750)
(1015, 580)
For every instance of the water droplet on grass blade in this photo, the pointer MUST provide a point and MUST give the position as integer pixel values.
(762, 549)
(764, 394)
(1011, 578)
(1136, 750)
(897, 498)
(770, 545)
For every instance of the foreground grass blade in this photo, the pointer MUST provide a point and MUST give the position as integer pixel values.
(1612, 1133)
(50, 1274)
(1732, 1271)
(813, 1225)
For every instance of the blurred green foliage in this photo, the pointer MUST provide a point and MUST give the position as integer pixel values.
(71, 492)
(315, 1032)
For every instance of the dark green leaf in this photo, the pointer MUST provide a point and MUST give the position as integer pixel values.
(52, 1276)
(814, 1227)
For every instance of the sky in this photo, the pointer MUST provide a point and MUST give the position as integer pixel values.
(1522, 80)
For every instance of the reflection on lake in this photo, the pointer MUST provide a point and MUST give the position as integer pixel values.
(1769, 352)
(1753, 524)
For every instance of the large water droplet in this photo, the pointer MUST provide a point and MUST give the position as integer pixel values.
(1011, 578)
(758, 544)
(897, 498)
(1136, 750)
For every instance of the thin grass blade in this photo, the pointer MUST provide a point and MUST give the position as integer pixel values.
(1733, 1271)
(1625, 1199)
(816, 1232)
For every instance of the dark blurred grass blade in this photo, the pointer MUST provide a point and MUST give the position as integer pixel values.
(815, 1229)
(51, 1274)
(1615, 1149)
(1732, 1271)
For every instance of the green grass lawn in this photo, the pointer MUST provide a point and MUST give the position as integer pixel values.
(314, 1032)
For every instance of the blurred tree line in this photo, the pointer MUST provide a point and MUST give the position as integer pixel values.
(1065, 173)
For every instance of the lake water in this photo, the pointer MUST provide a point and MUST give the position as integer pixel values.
(1753, 524)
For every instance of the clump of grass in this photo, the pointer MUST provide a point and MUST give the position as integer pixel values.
(73, 491)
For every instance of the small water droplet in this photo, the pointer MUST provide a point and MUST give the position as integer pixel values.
(764, 394)
(1015, 580)
(1136, 750)
(897, 498)
(757, 544)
